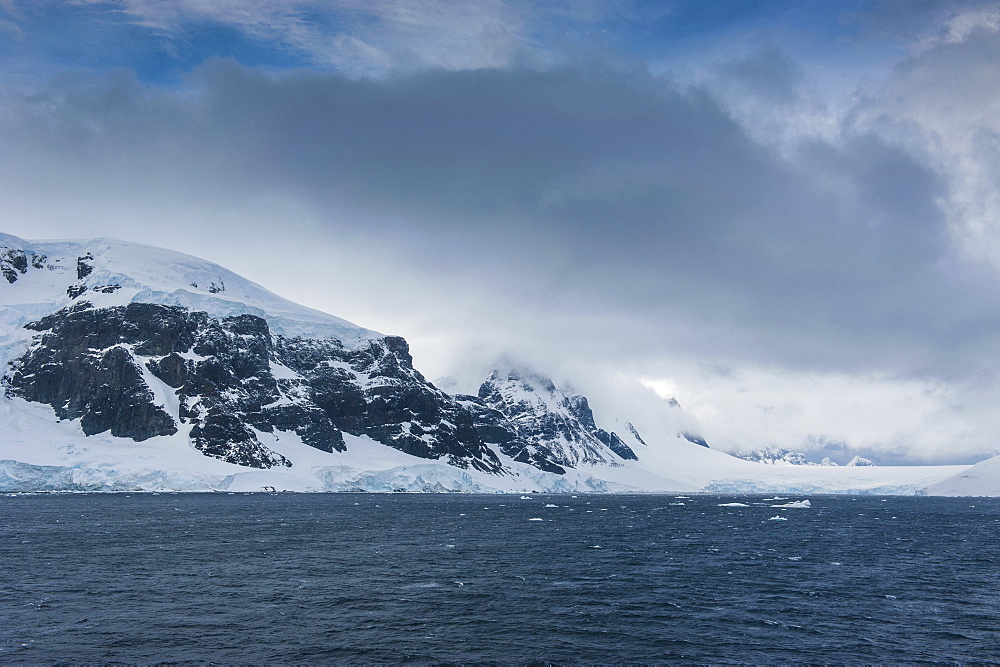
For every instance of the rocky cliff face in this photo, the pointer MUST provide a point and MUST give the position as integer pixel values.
(551, 426)
(14, 263)
(145, 369)
(141, 342)
(781, 456)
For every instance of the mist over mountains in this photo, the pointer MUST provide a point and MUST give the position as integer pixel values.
(128, 366)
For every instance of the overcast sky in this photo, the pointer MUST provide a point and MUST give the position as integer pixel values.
(784, 214)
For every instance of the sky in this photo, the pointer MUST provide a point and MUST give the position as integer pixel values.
(784, 214)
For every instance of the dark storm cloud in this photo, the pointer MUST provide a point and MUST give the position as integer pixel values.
(567, 193)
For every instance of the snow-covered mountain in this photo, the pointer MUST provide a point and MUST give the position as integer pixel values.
(982, 479)
(131, 367)
(552, 425)
(781, 456)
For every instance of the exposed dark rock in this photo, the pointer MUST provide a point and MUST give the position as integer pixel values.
(225, 436)
(696, 439)
(74, 291)
(221, 371)
(83, 266)
(101, 386)
(86, 364)
(635, 433)
(615, 444)
(551, 429)
(494, 428)
(375, 391)
(13, 262)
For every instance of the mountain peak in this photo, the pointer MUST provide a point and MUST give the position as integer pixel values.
(545, 416)
(108, 272)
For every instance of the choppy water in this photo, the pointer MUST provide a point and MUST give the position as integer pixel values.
(293, 578)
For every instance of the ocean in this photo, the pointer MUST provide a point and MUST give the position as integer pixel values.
(390, 578)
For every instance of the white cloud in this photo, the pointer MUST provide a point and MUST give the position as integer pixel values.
(959, 25)
(944, 104)
(898, 419)
(603, 226)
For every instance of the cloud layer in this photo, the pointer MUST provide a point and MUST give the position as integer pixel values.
(741, 234)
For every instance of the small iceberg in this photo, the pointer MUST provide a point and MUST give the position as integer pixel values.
(797, 503)
(526, 498)
(536, 519)
(733, 505)
(777, 518)
(551, 505)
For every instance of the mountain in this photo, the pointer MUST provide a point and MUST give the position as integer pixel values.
(982, 479)
(781, 456)
(132, 367)
(187, 346)
(550, 424)
(138, 343)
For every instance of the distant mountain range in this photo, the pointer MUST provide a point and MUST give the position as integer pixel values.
(131, 367)
(782, 456)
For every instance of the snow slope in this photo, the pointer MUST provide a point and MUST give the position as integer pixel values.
(152, 275)
(39, 453)
(675, 459)
(982, 479)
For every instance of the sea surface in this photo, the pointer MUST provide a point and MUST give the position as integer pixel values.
(362, 578)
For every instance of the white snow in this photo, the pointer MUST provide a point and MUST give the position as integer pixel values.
(982, 479)
(155, 275)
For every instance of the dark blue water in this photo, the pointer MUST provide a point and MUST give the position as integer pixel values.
(289, 578)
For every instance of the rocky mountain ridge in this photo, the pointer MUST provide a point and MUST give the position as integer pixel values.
(139, 370)
(782, 456)
(550, 423)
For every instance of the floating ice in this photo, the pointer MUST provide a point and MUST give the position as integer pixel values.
(733, 505)
(796, 503)
(777, 518)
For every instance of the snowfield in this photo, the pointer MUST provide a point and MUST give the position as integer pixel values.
(39, 453)
(982, 479)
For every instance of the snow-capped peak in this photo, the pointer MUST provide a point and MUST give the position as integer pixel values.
(42, 276)
(546, 417)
